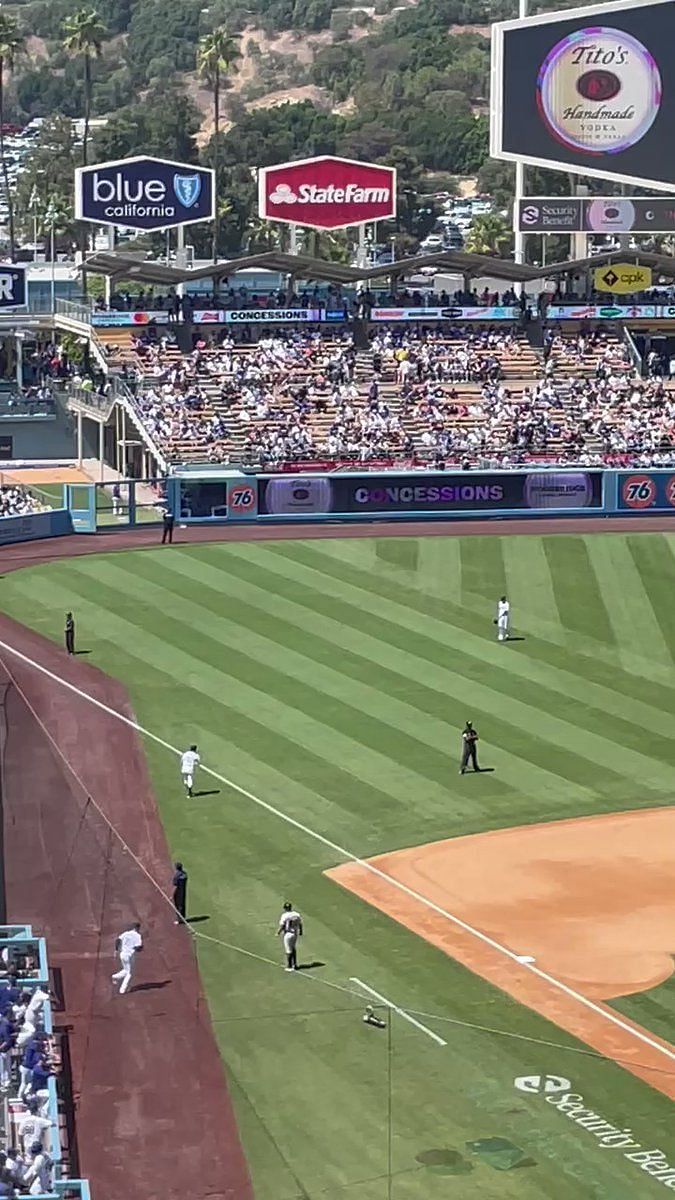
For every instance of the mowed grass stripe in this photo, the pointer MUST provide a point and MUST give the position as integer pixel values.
(311, 688)
(578, 597)
(617, 694)
(529, 587)
(257, 691)
(587, 657)
(279, 734)
(483, 573)
(440, 569)
(450, 692)
(610, 755)
(637, 632)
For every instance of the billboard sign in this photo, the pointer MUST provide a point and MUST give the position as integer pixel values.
(144, 193)
(622, 279)
(608, 312)
(590, 91)
(487, 313)
(646, 491)
(326, 192)
(12, 287)
(596, 214)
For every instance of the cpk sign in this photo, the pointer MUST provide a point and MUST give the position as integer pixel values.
(144, 193)
(327, 192)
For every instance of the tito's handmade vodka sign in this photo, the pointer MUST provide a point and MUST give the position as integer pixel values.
(598, 91)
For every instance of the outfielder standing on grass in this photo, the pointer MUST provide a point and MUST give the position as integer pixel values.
(290, 929)
(503, 619)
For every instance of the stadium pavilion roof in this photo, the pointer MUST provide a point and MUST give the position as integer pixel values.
(120, 265)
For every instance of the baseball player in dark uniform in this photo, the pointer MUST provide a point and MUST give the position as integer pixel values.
(180, 879)
(168, 521)
(69, 633)
(469, 739)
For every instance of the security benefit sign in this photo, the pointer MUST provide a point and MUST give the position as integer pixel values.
(622, 279)
(12, 287)
(144, 193)
(592, 93)
(647, 491)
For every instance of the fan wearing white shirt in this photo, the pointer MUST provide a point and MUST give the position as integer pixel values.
(189, 761)
(503, 621)
(127, 945)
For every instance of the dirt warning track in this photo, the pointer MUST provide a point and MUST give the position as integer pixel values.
(590, 901)
(153, 1113)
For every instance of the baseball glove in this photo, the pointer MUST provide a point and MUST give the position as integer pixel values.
(495, 622)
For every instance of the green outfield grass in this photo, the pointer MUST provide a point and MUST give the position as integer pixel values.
(331, 680)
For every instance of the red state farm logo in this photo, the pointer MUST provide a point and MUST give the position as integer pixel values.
(638, 491)
(327, 192)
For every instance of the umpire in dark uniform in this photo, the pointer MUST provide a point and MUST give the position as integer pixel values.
(69, 633)
(168, 520)
(180, 892)
(469, 739)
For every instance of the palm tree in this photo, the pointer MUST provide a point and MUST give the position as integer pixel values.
(218, 53)
(84, 33)
(11, 45)
(488, 234)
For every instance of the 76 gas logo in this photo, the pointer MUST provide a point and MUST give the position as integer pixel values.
(242, 500)
(638, 491)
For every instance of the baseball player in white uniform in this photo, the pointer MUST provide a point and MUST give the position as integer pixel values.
(503, 620)
(189, 761)
(127, 946)
(290, 929)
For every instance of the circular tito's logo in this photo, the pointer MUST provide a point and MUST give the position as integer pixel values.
(598, 90)
(638, 491)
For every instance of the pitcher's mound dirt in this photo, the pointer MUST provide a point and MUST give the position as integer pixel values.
(591, 900)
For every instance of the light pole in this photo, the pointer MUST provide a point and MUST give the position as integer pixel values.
(519, 240)
(50, 217)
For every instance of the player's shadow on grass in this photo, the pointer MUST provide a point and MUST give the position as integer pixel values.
(213, 792)
(197, 920)
(82, 652)
(480, 771)
(516, 639)
(311, 966)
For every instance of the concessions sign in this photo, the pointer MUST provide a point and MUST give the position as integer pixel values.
(327, 192)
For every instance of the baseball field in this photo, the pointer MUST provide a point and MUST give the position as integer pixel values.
(513, 930)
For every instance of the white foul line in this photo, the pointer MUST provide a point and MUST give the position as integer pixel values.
(401, 1011)
(516, 959)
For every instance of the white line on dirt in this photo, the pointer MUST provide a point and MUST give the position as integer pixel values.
(401, 1011)
(515, 958)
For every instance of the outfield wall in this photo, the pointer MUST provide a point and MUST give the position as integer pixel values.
(210, 495)
(35, 525)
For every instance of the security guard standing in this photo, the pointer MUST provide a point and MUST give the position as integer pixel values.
(180, 880)
(168, 520)
(469, 739)
(69, 633)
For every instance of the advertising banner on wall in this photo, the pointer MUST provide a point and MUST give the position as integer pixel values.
(590, 91)
(326, 192)
(144, 193)
(608, 312)
(646, 491)
(243, 316)
(489, 313)
(544, 491)
(606, 214)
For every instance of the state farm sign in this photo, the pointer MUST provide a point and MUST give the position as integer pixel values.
(326, 192)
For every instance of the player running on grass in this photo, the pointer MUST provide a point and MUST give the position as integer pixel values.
(189, 761)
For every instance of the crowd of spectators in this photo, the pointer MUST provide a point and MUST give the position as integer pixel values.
(28, 1059)
(17, 501)
(445, 395)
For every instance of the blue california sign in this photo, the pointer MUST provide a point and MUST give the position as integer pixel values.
(144, 193)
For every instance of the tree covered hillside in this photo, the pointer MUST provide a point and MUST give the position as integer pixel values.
(404, 84)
